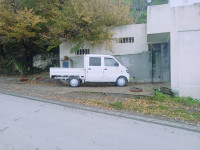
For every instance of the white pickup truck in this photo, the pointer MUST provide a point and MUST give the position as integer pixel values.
(97, 68)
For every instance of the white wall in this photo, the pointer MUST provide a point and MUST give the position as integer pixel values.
(159, 19)
(164, 18)
(138, 31)
(178, 3)
(189, 63)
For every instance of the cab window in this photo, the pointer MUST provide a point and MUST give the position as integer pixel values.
(110, 62)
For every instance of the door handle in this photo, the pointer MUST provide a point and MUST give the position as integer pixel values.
(89, 68)
(105, 69)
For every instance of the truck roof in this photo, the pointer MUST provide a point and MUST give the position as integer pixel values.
(99, 55)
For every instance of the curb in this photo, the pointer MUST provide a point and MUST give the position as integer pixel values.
(114, 94)
(111, 113)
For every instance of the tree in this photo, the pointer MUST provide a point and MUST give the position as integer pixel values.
(139, 10)
(91, 20)
(20, 35)
(28, 27)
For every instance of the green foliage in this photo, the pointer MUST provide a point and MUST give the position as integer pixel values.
(20, 34)
(89, 20)
(18, 66)
(139, 9)
(76, 47)
(186, 101)
(158, 96)
(30, 27)
(6, 67)
(117, 105)
(142, 18)
(159, 2)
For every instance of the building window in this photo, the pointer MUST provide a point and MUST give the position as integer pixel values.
(82, 52)
(126, 40)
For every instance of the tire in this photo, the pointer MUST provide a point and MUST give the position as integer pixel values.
(121, 81)
(74, 82)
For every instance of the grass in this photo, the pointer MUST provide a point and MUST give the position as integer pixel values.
(142, 18)
(117, 105)
(182, 109)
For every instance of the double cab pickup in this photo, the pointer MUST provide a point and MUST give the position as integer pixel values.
(97, 68)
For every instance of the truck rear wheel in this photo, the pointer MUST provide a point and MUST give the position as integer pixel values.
(74, 82)
(121, 81)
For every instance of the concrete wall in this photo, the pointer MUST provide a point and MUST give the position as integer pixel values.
(163, 18)
(178, 3)
(139, 65)
(187, 18)
(159, 19)
(138, 31)
(189, 63)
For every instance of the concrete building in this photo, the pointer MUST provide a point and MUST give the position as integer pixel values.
(178, 24)
(178, 3)
(130, 47)
(166, 49)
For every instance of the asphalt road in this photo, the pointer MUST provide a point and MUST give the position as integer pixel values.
(32, 125)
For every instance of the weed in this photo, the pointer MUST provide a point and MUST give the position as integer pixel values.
(102, 94)
(117, 105)
(160, 105)
(158, 96)
(186, 100)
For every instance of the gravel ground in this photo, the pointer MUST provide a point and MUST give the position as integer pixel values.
(44, 87)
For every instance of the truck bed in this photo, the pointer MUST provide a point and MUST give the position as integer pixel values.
(60, 73)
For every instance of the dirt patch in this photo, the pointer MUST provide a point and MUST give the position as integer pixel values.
(41, 85)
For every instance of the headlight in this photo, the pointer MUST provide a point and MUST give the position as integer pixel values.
(127, 71)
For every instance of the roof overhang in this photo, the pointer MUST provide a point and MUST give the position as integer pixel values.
(158, 38)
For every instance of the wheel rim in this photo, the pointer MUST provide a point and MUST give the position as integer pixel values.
(121, 82)
(74, 82)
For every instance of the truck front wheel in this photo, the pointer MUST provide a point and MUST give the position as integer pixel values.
(121, 81)
(74, 82)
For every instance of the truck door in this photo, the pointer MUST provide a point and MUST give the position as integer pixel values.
(111, 70)
(94, 69)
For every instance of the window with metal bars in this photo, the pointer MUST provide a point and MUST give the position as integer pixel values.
(82, 52)
(125, 40)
